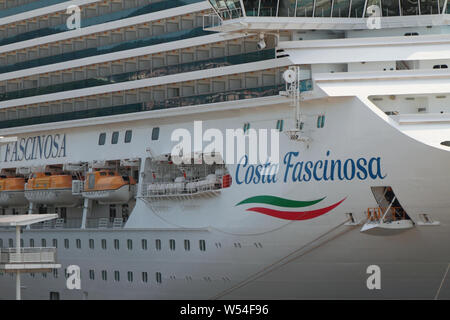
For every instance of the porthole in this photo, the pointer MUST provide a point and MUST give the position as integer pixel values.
(102, 139)
(155, 134)
(115, 137)
(128, 136)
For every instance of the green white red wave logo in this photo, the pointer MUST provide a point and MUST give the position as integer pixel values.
(286, 203)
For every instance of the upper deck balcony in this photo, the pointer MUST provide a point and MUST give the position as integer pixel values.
(259, 15)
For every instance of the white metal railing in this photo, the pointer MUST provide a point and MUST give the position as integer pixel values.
(190, 187)
(27, 255)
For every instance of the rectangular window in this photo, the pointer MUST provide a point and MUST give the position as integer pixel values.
(144, 244)
(102, 139)
(128, 136)
(280, 124)
(1, 243)
(172, 244)
(130, 276)
(155, 134)
(115, 137)
(55, 273)
(130, 244)
(44, 243)
(91, 243)
(104, 244)
(158, 277)
(55, 243)
(92, 274)
(78, 243)
(116, 244)
(158, 244)
(31, 243)
(11, 243)
(202, 244)
(116, 276)
(246, 127)
(187, 245)
(104, 275)
(144, 277)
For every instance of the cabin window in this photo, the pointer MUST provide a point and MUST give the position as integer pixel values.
(104, 275)
(102, 139)
(155, 134)
(158, 277)
(280, 125)
(128, 136)
(158, 244)
(91, 243)
(117, 276)
(202, 245)
(78, 243)
(92, 274)
(130, 244)
(115, 137)
(55, 243)
(144, 244)
(320, 121)
(246, 127)
(31, 243)
(130, 276)
(440, 66)
(172, 244)
(104, 244)
(116, 244)
(187, 245)
(144, 277)
(44, 243)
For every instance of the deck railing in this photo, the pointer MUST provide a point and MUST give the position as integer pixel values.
(27, 255)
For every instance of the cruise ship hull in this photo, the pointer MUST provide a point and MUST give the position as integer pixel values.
(251, 255)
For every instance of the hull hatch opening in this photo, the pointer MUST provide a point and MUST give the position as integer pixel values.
(389, 217)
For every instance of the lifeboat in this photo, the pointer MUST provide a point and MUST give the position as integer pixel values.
(51, 189)
(108, 187)
(12, 192)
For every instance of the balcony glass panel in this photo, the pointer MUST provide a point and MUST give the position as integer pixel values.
(389, 8)
(29, 6)
(341, 8)
(118, 15)
(357, 9)
(410, 7)
(323, 8)
(154, 105)
(142, 74)
(304, 8)
(429, 7)
(126, 45)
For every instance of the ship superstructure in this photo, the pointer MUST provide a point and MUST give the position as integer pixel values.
(358, 90)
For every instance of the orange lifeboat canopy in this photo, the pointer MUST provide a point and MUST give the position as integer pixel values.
(12, 184)
(42, 181)
(106, 180)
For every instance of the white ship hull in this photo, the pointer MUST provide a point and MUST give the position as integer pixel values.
(329, 257)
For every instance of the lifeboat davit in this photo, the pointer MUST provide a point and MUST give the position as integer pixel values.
(12, 192)
(108, 187)
(45, 188)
